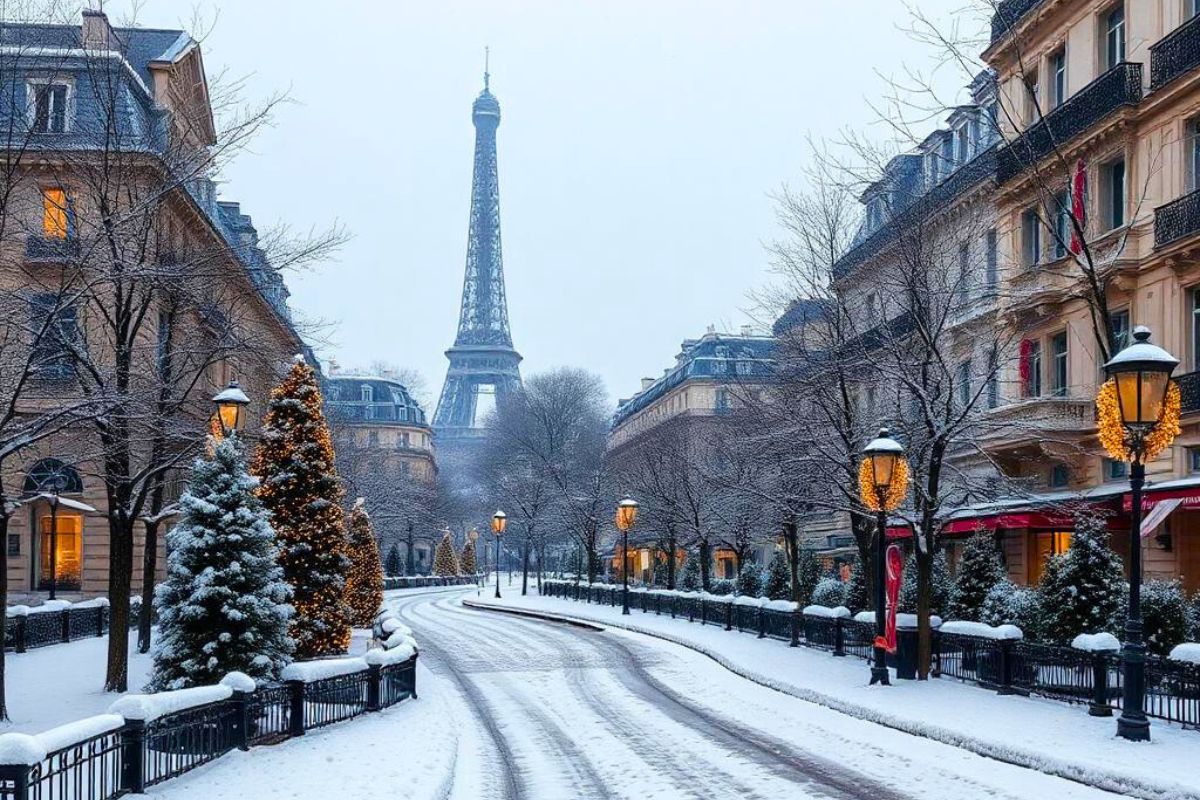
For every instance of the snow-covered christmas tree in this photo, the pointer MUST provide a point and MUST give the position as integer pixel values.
(1164, 615)
(364, 581)
(224, 604)
(445, 562)
(809, 575)
(978, 571)
(858, 595)
(295, 462)
(466, 559)
(393, 565)
(942, 598)
(749, 580)
(689, 581)
(1083, 589)
(779, 578)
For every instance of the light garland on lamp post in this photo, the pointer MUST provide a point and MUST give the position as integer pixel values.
(883, 483)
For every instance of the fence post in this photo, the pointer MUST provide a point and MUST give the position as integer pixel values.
(839, 637)
(65, 621)
(796, 618)
(671, 599)
(22, 628)
(133, 754)
(296, 711)
(413, 677)
(703, 612)
(1006, 653)
(102, 620)
(762, 623)
(729, 616)
(1099, 706)
(17, 777)
(241, 725)
(374, 678)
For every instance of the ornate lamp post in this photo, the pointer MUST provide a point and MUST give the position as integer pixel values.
(473, 535)
(882, 478)
(627, 511)
(499, 520)
(56, 484)
(231, 403)
(1147, 402)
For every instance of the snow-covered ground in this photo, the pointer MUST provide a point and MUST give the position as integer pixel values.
(516, 708)
(1058, 737)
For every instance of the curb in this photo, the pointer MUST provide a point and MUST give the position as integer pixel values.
(1087, 776)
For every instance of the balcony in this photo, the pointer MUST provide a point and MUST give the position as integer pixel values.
(51, 248)
(1037, 425)
(1189, 391)
(1177, 219)
(1008, 14)
(1176, 54)
(1119, 87)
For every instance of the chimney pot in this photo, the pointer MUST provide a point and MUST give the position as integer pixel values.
(96, 33)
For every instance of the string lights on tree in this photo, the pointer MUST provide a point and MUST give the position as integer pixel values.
(295, 462)
(445, 562)
(364, 582)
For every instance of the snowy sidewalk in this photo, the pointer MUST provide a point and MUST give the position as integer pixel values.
(1047, 735)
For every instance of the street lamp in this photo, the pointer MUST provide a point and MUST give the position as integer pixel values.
(883, 478)
(1140, 377)
(627, 511)
(56, 484)
(499, 520)
(473, 536)
(231, 402)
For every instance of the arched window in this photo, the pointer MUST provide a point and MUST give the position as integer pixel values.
(53, 475)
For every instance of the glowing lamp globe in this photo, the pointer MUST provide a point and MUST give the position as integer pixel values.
(883, 453)
(231, 403)
(499, 521)
(1142, 374)
(627, 511)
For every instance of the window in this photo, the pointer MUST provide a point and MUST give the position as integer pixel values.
(993, 382)
(1193, 459)
(1058, 78)
(1120, 330)
(1046, 544)
(61, 550)
(1115, 470)
(1192, 7)
(963, 139)
(1062, 224)
(1058, 364)
(962, 289)
(1191, 151)
(992, 271)
(56, 331)
(402, 440)
(1114, 37)
(722, 400)
(48, 106)
(1031, 237)
(1033, 98)
(1031, 367)
(1113, 187)
(14, 544)
(963, 380)
(367, 393)
(1060, 476)
(57, 213)
(373, 438)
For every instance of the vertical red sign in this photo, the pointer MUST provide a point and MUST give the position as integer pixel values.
(895, 574)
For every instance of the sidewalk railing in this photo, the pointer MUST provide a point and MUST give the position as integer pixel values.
(27, 628)
(416, 581)
(1008, 666)
(148, 739)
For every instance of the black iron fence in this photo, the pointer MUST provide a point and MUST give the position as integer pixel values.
(415, 581)
(1009, 666)
(130, 755)
(26, 630)
(1176, 54)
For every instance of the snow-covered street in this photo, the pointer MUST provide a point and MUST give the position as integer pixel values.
(517, 708)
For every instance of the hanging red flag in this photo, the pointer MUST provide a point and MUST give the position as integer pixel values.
(1078, 205)
(894, 563)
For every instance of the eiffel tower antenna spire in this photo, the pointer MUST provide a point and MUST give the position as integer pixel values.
(486, 74)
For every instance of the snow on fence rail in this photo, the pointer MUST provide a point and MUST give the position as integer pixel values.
(150, 738)
(54, 622)
(1087, 672)
(414, 581)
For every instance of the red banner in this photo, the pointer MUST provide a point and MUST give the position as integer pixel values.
(894, 563)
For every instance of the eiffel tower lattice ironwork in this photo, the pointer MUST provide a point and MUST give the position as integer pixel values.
(483, 364)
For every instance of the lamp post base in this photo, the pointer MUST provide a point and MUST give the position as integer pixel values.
(880, 675)
(1134, 729)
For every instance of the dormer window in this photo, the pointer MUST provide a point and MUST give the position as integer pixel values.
(367, 393)
(963, 138)
(48, 106)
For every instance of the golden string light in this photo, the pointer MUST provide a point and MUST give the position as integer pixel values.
(1112, 433)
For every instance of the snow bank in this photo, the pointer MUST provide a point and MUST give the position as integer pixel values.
(378, 657)
(149, 707)
(392, 625)
(309, 671)
(16, 611)
(826, 611)
(239, 682)
(717, 598)
(96, 602)
(48, 606)
(20, 748)
(747, 600)
(399, 639)
(781, 605)
(964, 628)
(1096, 643)
(1188, 651)
(80, 730)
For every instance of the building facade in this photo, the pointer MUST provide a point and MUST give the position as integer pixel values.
(89, 107)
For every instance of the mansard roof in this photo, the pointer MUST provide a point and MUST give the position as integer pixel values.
(390, 403)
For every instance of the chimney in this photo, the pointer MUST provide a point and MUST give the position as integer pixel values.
(647, 383)
(97, 34)
(747, 330)
(333, 367)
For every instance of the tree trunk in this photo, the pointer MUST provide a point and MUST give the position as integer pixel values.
(924, 603)
(410, 562)
(4, 601)
(671, 547)
(120, 574)
(705, 567)
(149, 566)
(525, 566)
(791, 544)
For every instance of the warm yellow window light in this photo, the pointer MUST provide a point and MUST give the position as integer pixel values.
(54, 213)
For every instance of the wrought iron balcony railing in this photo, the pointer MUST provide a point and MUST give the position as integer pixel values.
(1189, 392)
(1177, 219)
(1008, 14)
(1176, 54)
(1120, 86)
(51, 248)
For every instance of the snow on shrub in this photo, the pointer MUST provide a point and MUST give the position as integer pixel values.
(1164, 615)
(721, 587)
(829, 593)
(978, 571)
(1009, 604)
(943, 585)
(905, 621)
(826, 611)
(1096, 642)
(379, 657)
(778, 585)
(781, 605)
(1082, 590)
(749, 580)
(979, 629)
(1188, 651)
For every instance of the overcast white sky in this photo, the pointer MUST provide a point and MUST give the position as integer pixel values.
(639, 142)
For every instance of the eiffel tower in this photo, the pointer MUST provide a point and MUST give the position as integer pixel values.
(483, 364)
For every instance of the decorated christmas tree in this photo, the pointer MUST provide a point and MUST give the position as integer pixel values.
(466, 559)
(393, 565)
(689, 581)
(445, 562)
(749, 580)
(779, 578)
(295, 462)
(224, 604)
(1083, 589)
(364, 582)
(979, 570)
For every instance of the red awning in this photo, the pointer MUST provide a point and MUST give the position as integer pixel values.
(899, 532)
(1024, 519)
(1190, 495)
